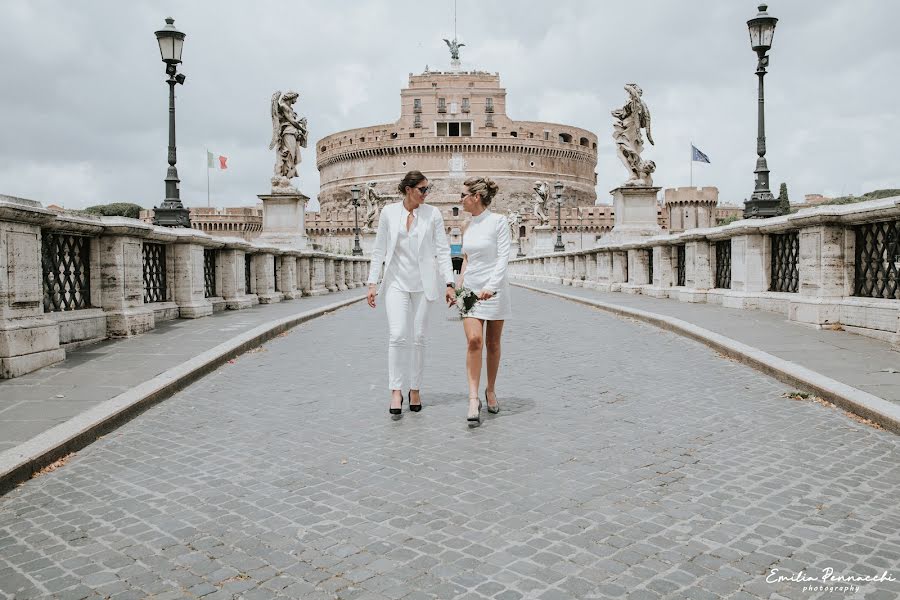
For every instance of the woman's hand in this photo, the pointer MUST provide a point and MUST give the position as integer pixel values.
(450, 296)
(485, 295)
(370, 295)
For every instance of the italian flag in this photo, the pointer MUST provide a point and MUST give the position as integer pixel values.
(216, 162)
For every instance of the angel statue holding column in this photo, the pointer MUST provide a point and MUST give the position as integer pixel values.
(288, 135)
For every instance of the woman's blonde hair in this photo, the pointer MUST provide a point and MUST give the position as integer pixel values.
(482, 186)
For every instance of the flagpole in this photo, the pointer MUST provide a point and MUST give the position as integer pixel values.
(207, 178)
(692, 163)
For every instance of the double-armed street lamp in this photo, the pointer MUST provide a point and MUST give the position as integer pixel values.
(557, 189)
(354, 193)
(762, 203)
(171, 213)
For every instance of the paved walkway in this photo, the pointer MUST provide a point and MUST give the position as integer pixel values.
(627, 462)
(34, 403)
(859, 361)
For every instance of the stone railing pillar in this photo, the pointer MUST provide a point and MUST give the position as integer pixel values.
(28, 339)
(698, 271)
(304, 283)
(823, 280)
(638, 270)
(287, 275)
(122, 277)
(663, 271)
(188, 285)
(749, 270)
(580, 270)
(568, 276)
(618, 275)
(318, 276)
(231, 267)
(330, 283)
(340, 278)
(264, 272)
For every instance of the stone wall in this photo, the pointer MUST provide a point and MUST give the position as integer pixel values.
(829, 267)
(68, 279)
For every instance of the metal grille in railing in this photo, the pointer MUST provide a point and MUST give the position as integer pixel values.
(650, 266)
(66, 265)
(154, 273)
(877, 270)
(679, 264)
(209, 272)
(785, 262)
(276, 270)
(723, 264)
(247, 259)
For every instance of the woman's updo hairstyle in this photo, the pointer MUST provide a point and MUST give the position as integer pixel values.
(411, 179)
(483, 186)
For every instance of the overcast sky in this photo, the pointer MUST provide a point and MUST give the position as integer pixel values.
(83, 111)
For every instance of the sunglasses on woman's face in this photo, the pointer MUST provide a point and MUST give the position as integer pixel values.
(464, 195)
(424, 189)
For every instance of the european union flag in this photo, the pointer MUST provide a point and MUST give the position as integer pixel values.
(698, 156)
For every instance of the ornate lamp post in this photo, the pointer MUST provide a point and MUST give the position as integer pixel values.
(762, 203)
(557, 189)
(354, 192)
(171, 213)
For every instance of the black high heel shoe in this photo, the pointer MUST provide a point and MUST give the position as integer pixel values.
(474, 420)
(496, 407)
(397, 411)
(415, 407)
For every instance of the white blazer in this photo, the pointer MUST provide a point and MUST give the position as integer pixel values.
(434, 251)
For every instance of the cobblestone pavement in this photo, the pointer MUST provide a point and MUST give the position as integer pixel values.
(34, 403)
(627, 462)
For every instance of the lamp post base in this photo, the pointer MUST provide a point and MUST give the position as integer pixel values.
(761, 205)
(172, 214)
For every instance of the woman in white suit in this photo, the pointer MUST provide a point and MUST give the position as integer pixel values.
(412, 244)
(486, 244)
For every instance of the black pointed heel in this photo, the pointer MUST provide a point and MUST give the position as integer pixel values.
(496, 407)
(475, 420)
(415, 407)
(397, 411)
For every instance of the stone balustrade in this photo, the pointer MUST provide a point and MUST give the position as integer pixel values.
(830, 267)
(68, 279)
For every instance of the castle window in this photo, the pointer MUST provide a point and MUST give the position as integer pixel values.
(453, 129)
(455, 211)
(488, 105)
(493, 134)
(393, 135)
(546, 134)
(584, 142)
(417, 105)
(442, 105)
(465, 105)
(514, 134)
(323, 149)
(565, 138)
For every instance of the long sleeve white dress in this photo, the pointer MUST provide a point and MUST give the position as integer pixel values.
(486, 245)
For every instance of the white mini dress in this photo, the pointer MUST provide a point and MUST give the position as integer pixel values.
(486, 244)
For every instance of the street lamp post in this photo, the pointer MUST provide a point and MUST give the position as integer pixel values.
(558, 246)
(354, 192)
(171, 213)
(762, 203)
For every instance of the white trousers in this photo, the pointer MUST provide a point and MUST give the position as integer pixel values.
(407, 314)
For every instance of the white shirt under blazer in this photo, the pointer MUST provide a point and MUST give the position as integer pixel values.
(433, 254)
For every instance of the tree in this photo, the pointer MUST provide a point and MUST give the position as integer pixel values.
(116, 209)
(784, 204)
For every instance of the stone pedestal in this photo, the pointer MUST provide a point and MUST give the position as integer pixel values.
(283, 220)
(544, 238)
(28, 339)
(636, 214)
(189, 286)
(122, 277)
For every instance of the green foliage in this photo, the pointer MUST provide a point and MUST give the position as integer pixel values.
(115, 209)
(874, 195)
(730, 219)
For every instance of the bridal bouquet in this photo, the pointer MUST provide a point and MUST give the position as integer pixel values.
(466, 300)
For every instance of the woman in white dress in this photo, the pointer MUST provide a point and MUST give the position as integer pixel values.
(485, 248)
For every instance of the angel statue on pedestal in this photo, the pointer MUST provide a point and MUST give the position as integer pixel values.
(289, 134)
